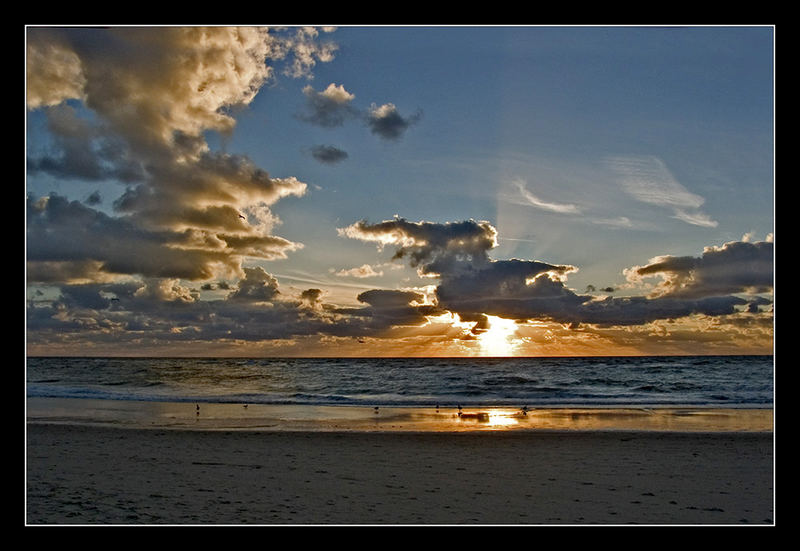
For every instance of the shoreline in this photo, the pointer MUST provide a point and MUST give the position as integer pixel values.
(318, 418)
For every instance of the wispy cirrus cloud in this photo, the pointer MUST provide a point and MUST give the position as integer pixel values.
(534, 201)
(647, 179)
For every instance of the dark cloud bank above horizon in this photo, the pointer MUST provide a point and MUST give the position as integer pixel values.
(725, 280)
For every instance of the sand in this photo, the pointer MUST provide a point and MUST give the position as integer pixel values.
(90, 475)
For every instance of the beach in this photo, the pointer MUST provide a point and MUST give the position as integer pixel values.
(360, 474)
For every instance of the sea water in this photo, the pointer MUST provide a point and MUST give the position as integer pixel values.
(698, 381)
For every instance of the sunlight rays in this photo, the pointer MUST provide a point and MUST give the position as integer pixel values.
(498, 339)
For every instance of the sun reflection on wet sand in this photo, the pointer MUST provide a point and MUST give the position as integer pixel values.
(421, 419)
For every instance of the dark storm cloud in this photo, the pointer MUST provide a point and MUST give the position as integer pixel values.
(328, 154)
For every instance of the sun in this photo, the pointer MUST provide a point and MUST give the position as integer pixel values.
(497, 340)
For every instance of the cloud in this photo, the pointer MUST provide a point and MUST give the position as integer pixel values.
(360, 272)
(648, 180)
(257, 285)
(68, 239)
(333, 107)
(532, 200)
(433, 248)
(473, 285)
(85, 152)
(329, 108)
(307, 51)
(94, 198)
(735, 267)
(328, 154)
(386, 122)
(387, 308)
(141, 101)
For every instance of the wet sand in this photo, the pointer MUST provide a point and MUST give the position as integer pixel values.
(366, 473)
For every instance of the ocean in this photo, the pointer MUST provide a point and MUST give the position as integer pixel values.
(697, 381)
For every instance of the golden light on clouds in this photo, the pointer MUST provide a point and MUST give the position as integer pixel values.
(160, 173)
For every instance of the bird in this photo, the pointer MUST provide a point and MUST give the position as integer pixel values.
(524, 410)
(376, 409)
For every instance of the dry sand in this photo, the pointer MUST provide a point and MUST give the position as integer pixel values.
(102, 475)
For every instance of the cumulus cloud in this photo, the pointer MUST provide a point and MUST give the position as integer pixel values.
(88, 244)
(473, 285)
(470, 284)
(333, 107)
(141, 101)
(328, 154)
(84, 151)
(307, 50)
(388, 308)
(361, 272)
(386, 121)
(329, 108)
(257, 285)
(648, 180)
(735, 267)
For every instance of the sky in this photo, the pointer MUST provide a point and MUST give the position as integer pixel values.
(399, 191)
